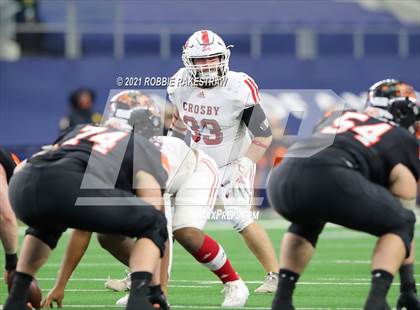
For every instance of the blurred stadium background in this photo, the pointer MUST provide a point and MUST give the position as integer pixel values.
(48, 49)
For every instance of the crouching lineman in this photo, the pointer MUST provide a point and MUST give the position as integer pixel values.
(362, 181)
(8, 223)
(86, 182)
(383, 90)
(193, 182)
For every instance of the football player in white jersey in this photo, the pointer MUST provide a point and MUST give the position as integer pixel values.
(221, 110)
(193, 181)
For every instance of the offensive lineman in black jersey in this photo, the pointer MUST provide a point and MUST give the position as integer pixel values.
(96, 178)
(393, 89)
(361, 181)
(8, 223)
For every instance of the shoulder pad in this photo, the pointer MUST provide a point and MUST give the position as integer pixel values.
(245, 87)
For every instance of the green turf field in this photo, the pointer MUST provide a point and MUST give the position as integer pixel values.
(338, 277)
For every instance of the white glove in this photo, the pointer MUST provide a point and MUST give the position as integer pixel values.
(236, 183)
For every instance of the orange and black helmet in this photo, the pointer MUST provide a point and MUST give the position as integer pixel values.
(398, 99)
(391, 88)
(134, 110)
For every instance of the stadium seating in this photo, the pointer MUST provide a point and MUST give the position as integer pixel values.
(333, 21)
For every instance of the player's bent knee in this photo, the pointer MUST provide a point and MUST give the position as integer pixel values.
(190, 238)
(48, 237)
(309, 234)
(405, 229)
(240, 225)
(240, 218)
(156, 231)
(194, 220)
(185, 233)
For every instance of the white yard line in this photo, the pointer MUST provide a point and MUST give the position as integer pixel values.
(107, 290)
(116, 264)
(194, 307)
(209, 283)
(198, 307)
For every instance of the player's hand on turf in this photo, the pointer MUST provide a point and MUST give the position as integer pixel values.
(56, 295)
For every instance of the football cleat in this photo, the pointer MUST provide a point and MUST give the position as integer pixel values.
(119, 285)
(408, 301)
(236, 294)
(270, 283)
(382, 305)
(159, 302)
(122, 301)
(282, 305)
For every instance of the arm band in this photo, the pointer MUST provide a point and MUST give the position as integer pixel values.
(255, 120)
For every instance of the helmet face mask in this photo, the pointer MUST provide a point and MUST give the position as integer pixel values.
(207, 68)
(394, 101)
(206, 45)
(133, 110)
(145, 123)
(406, 112)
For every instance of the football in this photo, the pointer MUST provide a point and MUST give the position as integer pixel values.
(34, 293)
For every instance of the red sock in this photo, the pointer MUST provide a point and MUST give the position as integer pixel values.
(212, 255)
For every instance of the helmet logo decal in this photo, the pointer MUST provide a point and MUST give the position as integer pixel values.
(205, 37)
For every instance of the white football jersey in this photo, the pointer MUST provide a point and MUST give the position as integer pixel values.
(178, 159)
(213, 115)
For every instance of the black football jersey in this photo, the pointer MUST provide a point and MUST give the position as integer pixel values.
(368, 144)
(9, 162)
(111, 157)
